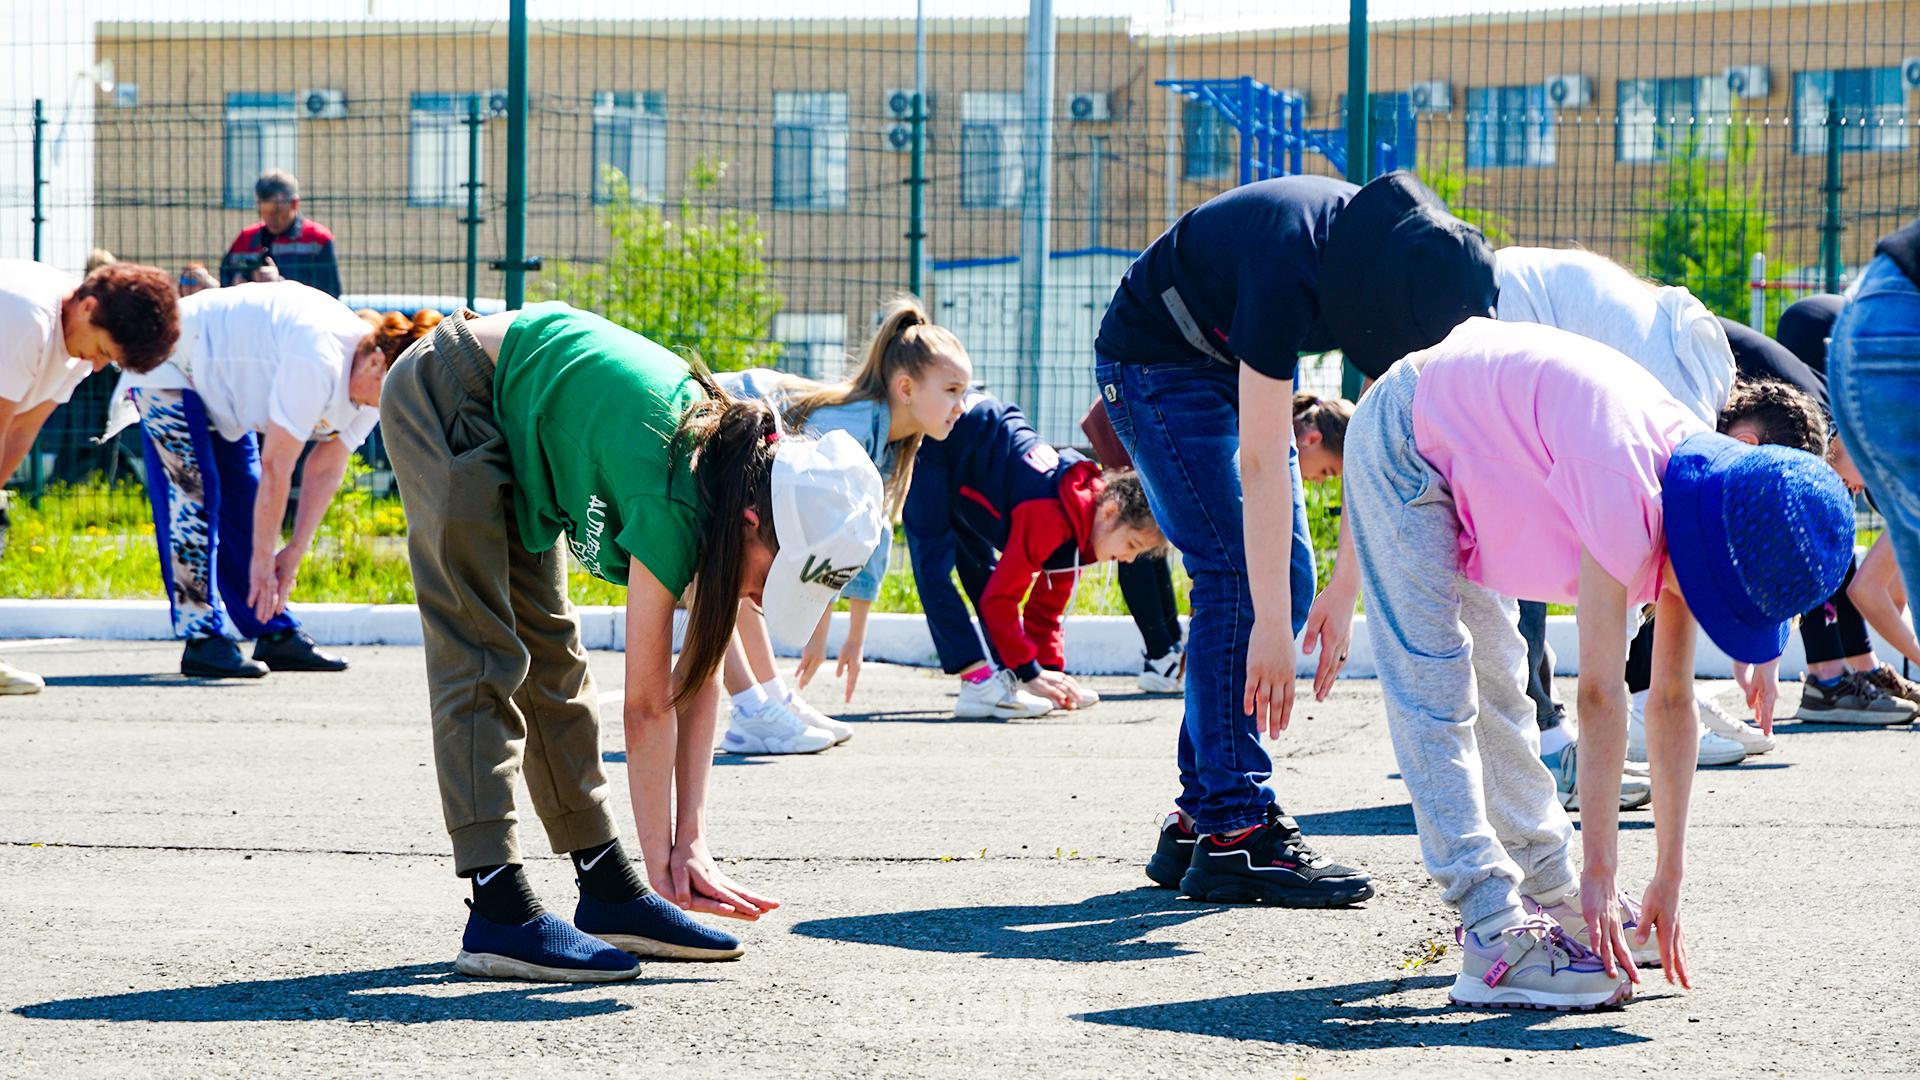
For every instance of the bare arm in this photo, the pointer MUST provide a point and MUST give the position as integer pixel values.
(1879, 593)
(652, 736)
(1267, 513)
(17, 432)
(1602, 619)
(318, 483)
(1673, 743)
(279, 452)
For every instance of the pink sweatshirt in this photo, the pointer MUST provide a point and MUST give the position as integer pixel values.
(1550, 443)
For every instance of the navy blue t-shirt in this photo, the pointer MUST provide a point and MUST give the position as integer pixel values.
(1243, 268)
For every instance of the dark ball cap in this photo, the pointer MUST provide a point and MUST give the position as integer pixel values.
(1399, 273)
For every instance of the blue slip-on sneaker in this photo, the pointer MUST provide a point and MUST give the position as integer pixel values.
(651, 926)
(546, 949)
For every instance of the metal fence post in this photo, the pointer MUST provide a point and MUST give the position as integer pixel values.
(472, 219)
(1830, 227)
(1359, 141)
(917, 201)
(1757, 292)
(39, 172)
(516, 238)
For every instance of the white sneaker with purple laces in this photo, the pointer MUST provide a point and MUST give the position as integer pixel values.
(1534, 965)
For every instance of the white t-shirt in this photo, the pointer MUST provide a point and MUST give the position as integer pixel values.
(1663, 329)
(273, 353)
(34, 365)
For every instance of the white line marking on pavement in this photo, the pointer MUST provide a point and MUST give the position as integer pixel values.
(34, 643)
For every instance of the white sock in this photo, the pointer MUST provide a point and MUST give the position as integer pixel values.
(775, 689)
(1555, 739)
(1569, 894)
(751, 701)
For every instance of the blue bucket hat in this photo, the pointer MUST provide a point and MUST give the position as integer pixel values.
(1757, 535)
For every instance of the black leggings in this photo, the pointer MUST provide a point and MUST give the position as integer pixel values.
(1147, 586)
(1832, 631)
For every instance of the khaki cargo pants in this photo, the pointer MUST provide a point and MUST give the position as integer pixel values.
(508, 679)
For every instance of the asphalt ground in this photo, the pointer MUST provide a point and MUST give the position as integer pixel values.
(251, 879)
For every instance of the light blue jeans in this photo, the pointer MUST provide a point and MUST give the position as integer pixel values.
(1873, 383)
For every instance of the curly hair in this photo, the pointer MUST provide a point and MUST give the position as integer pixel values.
(1783, 414)
(1124, 489)
(139, 308)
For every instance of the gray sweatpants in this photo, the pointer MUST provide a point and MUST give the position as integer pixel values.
(1453, 671)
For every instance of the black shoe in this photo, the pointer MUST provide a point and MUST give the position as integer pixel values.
(293, 650)
(218, 658)
(1270, 864)
(1175, 853)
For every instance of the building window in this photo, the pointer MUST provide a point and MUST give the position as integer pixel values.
(1658, 119)
(1209, 144)
(1509, 126)
(813, 345)
(1873, 110)
(437, 161)
(630, 138)
(810, 150)
(261, 135)
(992, 172)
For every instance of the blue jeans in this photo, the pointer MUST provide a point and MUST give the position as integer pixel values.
(1180, 422)
(202, 488)
(1873, 381)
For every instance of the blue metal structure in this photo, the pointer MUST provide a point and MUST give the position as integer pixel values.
(1274, 138)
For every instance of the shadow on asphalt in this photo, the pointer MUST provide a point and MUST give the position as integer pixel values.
(1103, 928)
(171, 680)
(410, 994)
(1397, 820)
(1804, 728)
(720, 757)
(1360, 1016)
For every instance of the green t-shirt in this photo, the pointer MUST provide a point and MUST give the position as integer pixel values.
(589, 411)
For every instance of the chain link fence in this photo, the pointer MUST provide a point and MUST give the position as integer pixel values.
(745, 187)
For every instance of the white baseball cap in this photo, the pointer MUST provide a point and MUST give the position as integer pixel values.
(829, 513)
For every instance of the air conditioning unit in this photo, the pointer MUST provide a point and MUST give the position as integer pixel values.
(496, 104)
(1910, 72)
(1748, 81)
(323, 104)
(1569, 91)
(900, 138)
(1431, 96)
(1088, 106)
(900, 104)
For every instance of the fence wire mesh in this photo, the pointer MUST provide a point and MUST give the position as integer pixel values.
(736, 182)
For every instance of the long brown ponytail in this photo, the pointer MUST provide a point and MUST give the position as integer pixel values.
(907, 340)
(727, 439)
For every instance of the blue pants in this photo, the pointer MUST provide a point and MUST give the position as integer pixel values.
(1873, 381)
(1180, 422)
(202, 488)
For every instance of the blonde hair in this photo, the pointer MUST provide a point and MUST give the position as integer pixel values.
(1328, 416)
(906, 341)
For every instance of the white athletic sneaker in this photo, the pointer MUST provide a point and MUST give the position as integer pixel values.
(1167, 675)
(839, 729)
(1535, 965)
(1722, 723)
(1715, 749)
(774, 729)
(1086, 697)
(1635, 791)
(998, 698)
(15, 681)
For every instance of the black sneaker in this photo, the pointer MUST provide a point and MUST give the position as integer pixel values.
(1175, 853)
(218, 658)
(293, 650)
(1270, 864)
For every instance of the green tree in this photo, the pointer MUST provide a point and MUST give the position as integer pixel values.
(1707, 221)
(694, 280)
(1449, 179)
